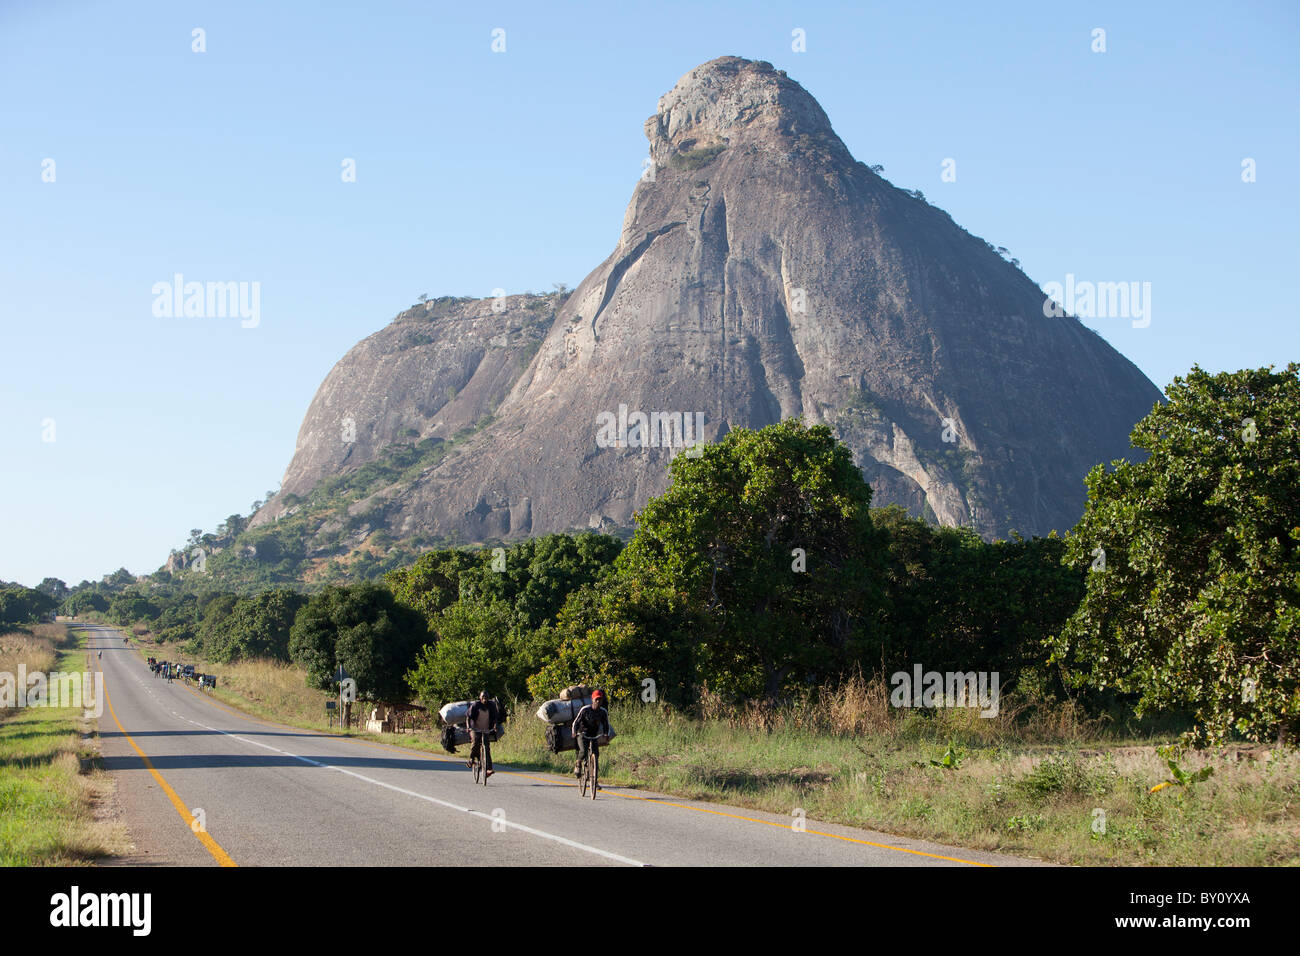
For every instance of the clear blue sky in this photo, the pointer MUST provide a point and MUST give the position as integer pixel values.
(478, 169)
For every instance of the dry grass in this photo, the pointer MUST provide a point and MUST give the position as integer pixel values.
(51, 792)
(268, 688)
(271, 688)
(33, 649)
(860, 706)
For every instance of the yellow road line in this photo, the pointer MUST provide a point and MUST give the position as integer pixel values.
(213, 847)
(786, 826)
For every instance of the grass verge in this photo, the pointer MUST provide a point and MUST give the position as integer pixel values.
(52, 793)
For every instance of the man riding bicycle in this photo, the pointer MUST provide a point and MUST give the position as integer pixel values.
(592, 721)
(481, 720)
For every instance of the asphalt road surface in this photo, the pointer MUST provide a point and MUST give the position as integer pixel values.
(270, 795)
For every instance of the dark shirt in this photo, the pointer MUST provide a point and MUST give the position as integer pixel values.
(489, 707)
(591, 721)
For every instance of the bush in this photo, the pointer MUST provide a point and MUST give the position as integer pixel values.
(695, 158)
(1061, 775)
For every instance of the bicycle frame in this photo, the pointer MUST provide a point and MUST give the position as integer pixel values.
(591, 772)
(479, 763)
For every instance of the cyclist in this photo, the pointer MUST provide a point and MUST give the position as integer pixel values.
(481, 720)
(591, 721)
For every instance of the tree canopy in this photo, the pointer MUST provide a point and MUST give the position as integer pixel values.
(364, 629)
(21, 605)
(1193, 583)
(768, 534)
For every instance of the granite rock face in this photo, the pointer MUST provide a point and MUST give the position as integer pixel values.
(762, 273)
(438, 368)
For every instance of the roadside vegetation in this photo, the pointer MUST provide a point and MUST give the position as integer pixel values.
(1036, 781)
(52, 795)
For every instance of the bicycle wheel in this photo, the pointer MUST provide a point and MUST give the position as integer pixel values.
(477, 761)
(595, 769)
(586, 772)
(483, 755)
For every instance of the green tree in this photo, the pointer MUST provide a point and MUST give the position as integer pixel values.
(534, 577)
(618, 636)
(121, 578)
(54, 588)
(130, 607)
(956, 602)
(472, 652)
(490, 610)
(768, 533)
(233, 526)
(530, 578)
(432, 584)
(1193, 583)
(21, 605)
(259, 626)
(83, 601)
(179, 620)
(363, 628)
(212, 614)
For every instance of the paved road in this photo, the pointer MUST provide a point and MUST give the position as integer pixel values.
(271, 795)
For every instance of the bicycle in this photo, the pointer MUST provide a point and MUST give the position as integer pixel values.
(478, 764)
(591, 772)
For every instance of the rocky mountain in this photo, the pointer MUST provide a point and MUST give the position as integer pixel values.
(762, 273)
(438, 368)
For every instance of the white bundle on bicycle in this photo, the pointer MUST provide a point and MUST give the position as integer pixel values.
(562, 711)
(455, 713)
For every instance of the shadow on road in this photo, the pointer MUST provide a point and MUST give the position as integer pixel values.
(210, 733)
(198, 761)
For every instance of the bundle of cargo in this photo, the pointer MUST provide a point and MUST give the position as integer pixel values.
(455, 713)
(454, 716)
(559, 738)
(454, 736)
(576, 692)
(562, 711)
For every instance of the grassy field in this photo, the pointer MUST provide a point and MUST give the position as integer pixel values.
(1036, 781)
(51, 793)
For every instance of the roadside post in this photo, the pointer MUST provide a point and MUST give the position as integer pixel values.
(347, 694)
